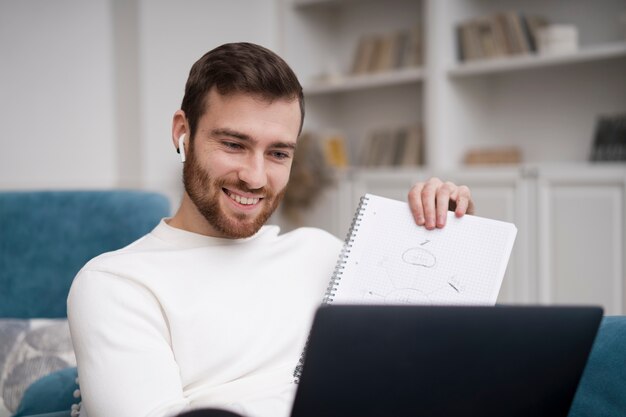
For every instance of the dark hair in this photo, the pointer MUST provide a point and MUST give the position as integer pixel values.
(239, 68)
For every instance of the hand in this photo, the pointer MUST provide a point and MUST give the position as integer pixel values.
(430, 201)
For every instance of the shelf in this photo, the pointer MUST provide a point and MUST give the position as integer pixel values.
(366, 81)
(308, 3)
(499, 65)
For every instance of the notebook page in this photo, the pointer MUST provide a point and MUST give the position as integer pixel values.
(391, 260)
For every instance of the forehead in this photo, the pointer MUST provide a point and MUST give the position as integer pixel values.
(252, 111)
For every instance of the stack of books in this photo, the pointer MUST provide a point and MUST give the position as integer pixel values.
(498, 35)
(386, 52)
(493, 156)
(393, 147)
(609, 143)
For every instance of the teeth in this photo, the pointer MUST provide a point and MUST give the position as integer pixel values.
(243, 200)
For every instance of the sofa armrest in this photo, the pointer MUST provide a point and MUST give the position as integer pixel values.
(602, 389)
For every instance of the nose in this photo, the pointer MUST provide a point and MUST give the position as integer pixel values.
(253, 172)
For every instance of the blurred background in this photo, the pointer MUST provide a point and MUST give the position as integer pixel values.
(524, 101)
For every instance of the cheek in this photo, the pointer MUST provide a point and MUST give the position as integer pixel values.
(279, 176)
(219, 165)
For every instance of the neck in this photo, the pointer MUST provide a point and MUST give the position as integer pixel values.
(188, 218)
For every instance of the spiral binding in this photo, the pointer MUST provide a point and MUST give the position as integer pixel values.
(331, 290)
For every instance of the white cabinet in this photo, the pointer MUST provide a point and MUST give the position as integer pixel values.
(581, 237)
(504, 194)
(570, 220)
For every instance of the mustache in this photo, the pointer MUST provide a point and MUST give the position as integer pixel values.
(243, 186)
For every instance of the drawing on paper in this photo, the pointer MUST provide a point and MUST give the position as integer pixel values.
(415, 279)
(419, 257)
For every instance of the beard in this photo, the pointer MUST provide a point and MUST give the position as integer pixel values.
(205, 193)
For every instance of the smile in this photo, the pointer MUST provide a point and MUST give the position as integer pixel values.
(246, 201)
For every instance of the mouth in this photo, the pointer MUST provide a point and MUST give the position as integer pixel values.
(242, 200)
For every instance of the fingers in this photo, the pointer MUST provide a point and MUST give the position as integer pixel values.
(463, 199)
(429, 202)
(443, 199)
(415, 203)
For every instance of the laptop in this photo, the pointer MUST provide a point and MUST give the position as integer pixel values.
(397, 361)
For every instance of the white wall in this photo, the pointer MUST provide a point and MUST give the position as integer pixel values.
(172, 36)
(56, 96)
(88, 88)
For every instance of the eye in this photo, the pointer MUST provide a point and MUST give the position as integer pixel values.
(280, 155)
(232, 145)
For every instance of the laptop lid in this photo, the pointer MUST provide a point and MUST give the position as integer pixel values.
(401, 361)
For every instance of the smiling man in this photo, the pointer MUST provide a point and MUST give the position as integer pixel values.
(212, 308)
(238, 163)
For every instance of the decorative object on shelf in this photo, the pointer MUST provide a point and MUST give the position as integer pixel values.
(493, 156)
(396, 147)
(498, 35)
(334, 147)
(609, 143)
(386, 52)
(557, 39)
(310, 175)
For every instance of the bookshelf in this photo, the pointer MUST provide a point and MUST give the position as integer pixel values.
(547, 106)
(320, 40)
(341, 84)
(590, 54)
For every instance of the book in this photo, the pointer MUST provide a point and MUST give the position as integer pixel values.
(335, 152)
(519, 38)
(388, 259)
(498, 35)
(364, 55)
(495, 155)
(609, 143)
(396, 146)
(413, 147)
(386, 53)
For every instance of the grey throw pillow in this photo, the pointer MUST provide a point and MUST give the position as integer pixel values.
(29, 350)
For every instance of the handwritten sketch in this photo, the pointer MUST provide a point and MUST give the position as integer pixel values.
(419, 257)
(415, 278)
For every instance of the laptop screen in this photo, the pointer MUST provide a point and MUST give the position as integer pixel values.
(444, 361)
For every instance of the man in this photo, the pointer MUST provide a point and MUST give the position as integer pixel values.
(212, 308)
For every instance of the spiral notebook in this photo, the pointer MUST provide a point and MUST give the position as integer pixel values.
(388, 259)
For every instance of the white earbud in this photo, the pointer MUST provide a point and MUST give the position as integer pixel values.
(181, 147)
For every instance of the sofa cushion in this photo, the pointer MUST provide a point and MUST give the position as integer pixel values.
(602, 389)
(30, 349)
(52, 393)
(47, 236)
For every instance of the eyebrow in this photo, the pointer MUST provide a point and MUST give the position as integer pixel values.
(247, 138)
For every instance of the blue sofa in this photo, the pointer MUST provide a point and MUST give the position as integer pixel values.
(45, 238)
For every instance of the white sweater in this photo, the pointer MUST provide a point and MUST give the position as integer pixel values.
(178, 320)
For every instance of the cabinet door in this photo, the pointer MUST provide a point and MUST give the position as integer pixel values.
(581, 239)
(504, 195)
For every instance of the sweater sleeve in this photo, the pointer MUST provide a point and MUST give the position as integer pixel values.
(123, 349)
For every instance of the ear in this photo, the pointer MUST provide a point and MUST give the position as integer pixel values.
(179, 127)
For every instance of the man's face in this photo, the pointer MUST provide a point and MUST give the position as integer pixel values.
(238, 163)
